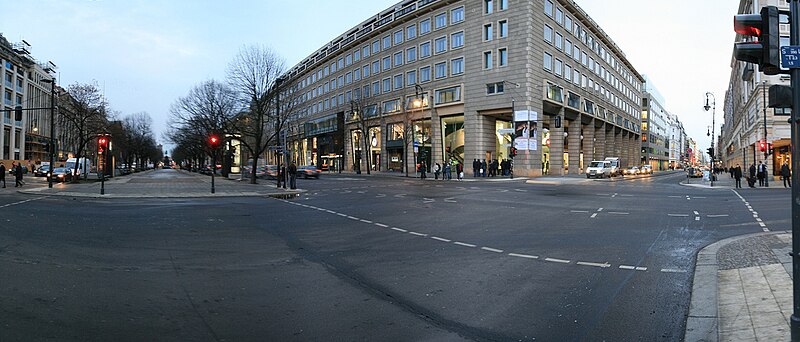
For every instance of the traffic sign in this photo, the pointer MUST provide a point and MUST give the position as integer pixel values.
(505, 130)
(790, 56)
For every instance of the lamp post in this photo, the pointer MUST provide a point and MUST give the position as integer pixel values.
(418, 102)
(766, 150)
(52, 128)
(713, 108)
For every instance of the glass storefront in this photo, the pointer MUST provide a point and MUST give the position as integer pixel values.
(545, 150)
(394, 147)
(375, 148)
(502, 141)
(453, 139)
(422, 142)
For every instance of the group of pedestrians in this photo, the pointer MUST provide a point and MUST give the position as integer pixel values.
(445, 171)
(16, 170)
(292, 175)
(480, 168)
(759, 173)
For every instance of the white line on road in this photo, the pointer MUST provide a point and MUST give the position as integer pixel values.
(399, 230)
(399, 195)
(381, 225)
(366, 221)
(617, 213)
(579, 211)
(696, 213)
(720, 215)
(492, 249)
(599, 210)
(699, 197)
(672, 270)
(440, 239)
(614, 195)
(464, 244)
(675, 196)
(697, 218)
(330, 211)
(428, 200)
(762, 224)
(380, 196)
(417, 234)
(633, 268)
(678, 215)
(526, 256)
(595, 264)
(594, 215)
(520, 190)
(561, 261)
(353, 218)
(450, 200)
(759, 219)
(626, 195)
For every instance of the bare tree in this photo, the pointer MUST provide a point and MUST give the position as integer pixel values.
(255, 75)
(137, 138)
(207, 109)
(86, 118)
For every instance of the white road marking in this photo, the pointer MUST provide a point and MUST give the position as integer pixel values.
(520, 190)
(524, 256)
(464, 244)
(698, 197)
(720, 215)
(346, 192)
(450, 200)
(759, 219)
(380, 196)
(675, 196)
(342, 215)
(595, 264)
(399, 195)
(361, 192)
(428, 200)
(440, 239)
(417, 234)
(492, 249)
(696, 213)
(626, 195)
(560, 261)
(381, 225)
(399, 230)
(594, 215)
(678, 215)
(633, 268)
(672, 270)
(614, 195)
(762, 224)
(599, 210)
(579, 211)
(697, 218)
(366, 221)
(503, 190)
(617, 213)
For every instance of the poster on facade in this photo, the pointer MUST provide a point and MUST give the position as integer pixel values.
(525, 130)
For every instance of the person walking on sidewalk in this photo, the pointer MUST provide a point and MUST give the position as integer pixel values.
(737, 175)
(447, 174)
(751, 179)
(484, 168)
(436, 169)
(3, 174)
(785, 173)
(18, 173)
(292, 175)
(762, 170)
(459, 171)
(422, 170)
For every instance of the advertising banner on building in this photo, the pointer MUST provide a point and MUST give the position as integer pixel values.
(525, 134)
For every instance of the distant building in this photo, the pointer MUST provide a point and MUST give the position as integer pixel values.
(450, 74)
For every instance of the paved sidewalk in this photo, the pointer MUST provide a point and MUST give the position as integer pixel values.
(160, 184)
(724, 181)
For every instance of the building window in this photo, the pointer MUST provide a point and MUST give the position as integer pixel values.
(495, 88)
(411, 32)
(457, 40)
(365, 51)
(411, 77)
(457, 15)
(357, 74)
(376, 67)
(560, 16)
(502, 5)
(398, 37)
(424, 74)
(488, 6)
(559, 41)
(398, 81)
(567, 72)
(548, 34)
(387, 85)
(557, 67)
(411, 54)
(356, 55)
(568, 47)
(440, 70)
(387, 63)
(365, 71)
(366, 91)
(502, 58)
(487, 60)
(440, 21)
(425, 49)
(387, 42)
(448, 95)
(503, 31)
(340, 64)
(391, 107)
(548, 62)
(376, 47)
(376, 88)
(487, 32)
(548, 8)
(425, 26)
(398, 58)
(440, 45)
(348, 60)
(568, 23)
(457, 66)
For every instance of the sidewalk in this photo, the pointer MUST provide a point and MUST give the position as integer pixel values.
(724, 181)
(159, 184)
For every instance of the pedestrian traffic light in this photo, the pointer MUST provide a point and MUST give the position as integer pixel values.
(213, 141)
(513, 152)
(766, 50)
(102, 143)
(762, 146)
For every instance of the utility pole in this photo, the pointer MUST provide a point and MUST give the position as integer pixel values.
(766, 150)
(795, 120)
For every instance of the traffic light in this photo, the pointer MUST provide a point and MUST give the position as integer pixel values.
(513, 152)
(18, 113)
(102, 143)
(762, 146)
(710, 152)
(213, 141)
(766, 50)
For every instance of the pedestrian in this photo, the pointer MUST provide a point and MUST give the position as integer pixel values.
(422, 170)
(484, 166)
(737, 175)
(761, 173)
(732, 170)
(751, 180)
(475, 167)
(785, 173)
(18, 173)
(293, 175)
(459, 171)
(446, 172)
(436, 169)
(3, 174)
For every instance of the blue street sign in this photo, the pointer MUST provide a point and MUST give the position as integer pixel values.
(416, 144)
(790, 57)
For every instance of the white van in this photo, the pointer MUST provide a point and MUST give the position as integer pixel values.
(84, 165)
(599, 169)
(616, 168)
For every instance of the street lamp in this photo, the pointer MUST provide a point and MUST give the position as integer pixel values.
(713, 108)
(52, 128)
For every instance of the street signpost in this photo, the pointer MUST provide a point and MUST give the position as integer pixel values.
(794, 40)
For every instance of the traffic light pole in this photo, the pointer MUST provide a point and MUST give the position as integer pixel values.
(766, 144)
(795, 120)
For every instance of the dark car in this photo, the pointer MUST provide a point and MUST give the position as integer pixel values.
(308, 172)
(42, 171)
(61, 174)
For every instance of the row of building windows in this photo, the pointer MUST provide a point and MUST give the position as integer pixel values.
(502, 30)
(489, 6)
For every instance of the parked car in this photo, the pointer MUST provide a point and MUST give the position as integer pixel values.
(599, 169)
(631, 171)
(647, 169)
(61, 174)
(308, 172)
(42, 171)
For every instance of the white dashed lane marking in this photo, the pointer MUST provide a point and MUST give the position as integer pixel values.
(602, 265)
(755, 213)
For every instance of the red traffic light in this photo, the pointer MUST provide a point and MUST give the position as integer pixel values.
(762, 146)
(747, 24)
(103, 141)
(213, 140)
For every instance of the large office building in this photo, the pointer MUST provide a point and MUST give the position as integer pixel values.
(450, 81)
(747, 120)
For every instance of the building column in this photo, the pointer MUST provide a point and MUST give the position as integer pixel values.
(610, 141)
(574, 141)
(588, 143)
(600, 141)
(556, 148)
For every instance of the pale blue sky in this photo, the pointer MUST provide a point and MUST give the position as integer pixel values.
(147, 53)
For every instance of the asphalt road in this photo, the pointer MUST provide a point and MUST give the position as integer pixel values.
(369, 259)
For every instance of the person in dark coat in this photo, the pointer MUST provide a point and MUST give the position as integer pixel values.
(3, 174)
(785, 173)
(737, 175)
(761, 173)
(422, 170)
(476, 165)
(484, 166)
(293, 175)
(18, 173)
(751, 179)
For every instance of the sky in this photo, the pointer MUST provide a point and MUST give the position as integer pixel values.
(145, 54)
